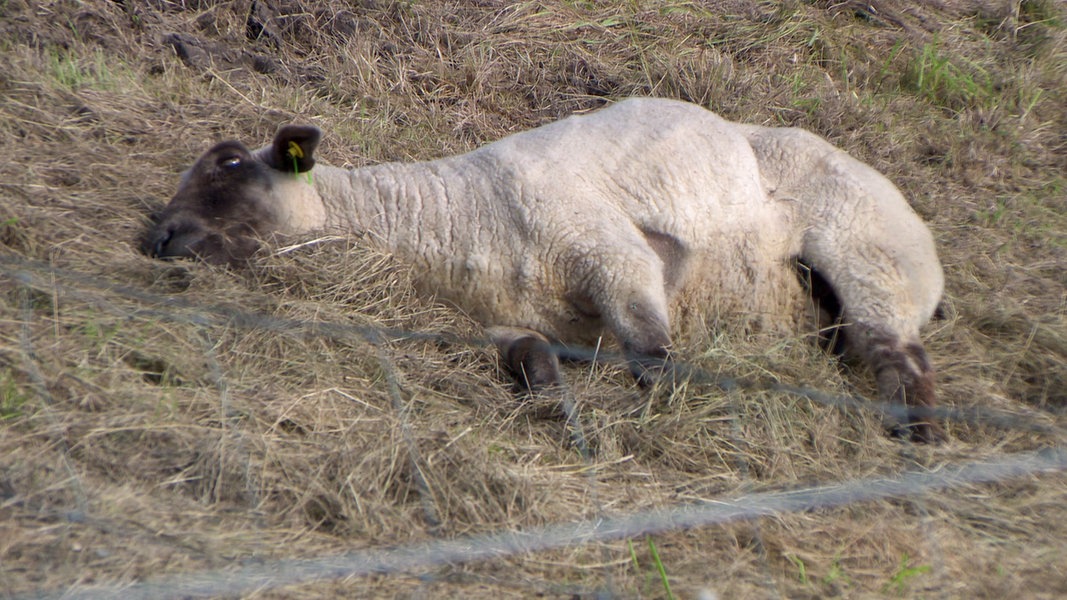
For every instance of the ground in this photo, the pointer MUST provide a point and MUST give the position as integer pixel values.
(164, 424)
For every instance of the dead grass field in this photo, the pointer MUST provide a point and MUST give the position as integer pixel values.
(163, 420)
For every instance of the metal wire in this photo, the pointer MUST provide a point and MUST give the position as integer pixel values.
(39, 275)
(406, 559)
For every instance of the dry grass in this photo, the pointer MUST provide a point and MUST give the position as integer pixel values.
(149, 429)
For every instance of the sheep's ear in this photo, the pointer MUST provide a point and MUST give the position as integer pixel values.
(293, 148)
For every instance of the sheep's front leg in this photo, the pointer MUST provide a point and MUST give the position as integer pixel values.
(528, 357)
(905, 378)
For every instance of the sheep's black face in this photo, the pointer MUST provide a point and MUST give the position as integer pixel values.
(217, 213)
(224, 203)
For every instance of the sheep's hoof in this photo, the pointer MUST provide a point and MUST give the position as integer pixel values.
(533, 364)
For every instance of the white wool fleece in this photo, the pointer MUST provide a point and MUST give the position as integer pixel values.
(619, 216)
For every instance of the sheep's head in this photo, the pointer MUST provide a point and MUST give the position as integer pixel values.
(231, 198)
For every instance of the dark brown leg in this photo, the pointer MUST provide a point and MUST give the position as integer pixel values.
(905, 378)
(528, 358)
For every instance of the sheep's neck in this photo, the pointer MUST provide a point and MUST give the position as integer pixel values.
(403, 206)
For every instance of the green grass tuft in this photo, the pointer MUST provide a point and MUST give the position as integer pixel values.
(904, 577)
(948, 81)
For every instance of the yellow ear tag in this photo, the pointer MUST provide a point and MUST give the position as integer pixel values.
(295, 152)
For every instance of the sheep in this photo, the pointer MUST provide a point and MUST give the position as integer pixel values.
(615, 220)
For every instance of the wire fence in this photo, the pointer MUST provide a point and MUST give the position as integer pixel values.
(41, 276)
(403, 560)
(409, 559)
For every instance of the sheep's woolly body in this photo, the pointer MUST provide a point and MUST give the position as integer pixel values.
(529, 230)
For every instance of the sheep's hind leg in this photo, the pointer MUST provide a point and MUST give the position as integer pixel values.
(650, 362)
(626, 287)
(905, 378)
(528, 357)
(641, 325)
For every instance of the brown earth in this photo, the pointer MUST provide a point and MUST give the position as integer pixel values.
(167, 420)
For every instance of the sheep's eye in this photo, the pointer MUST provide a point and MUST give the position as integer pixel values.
(230, 162)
